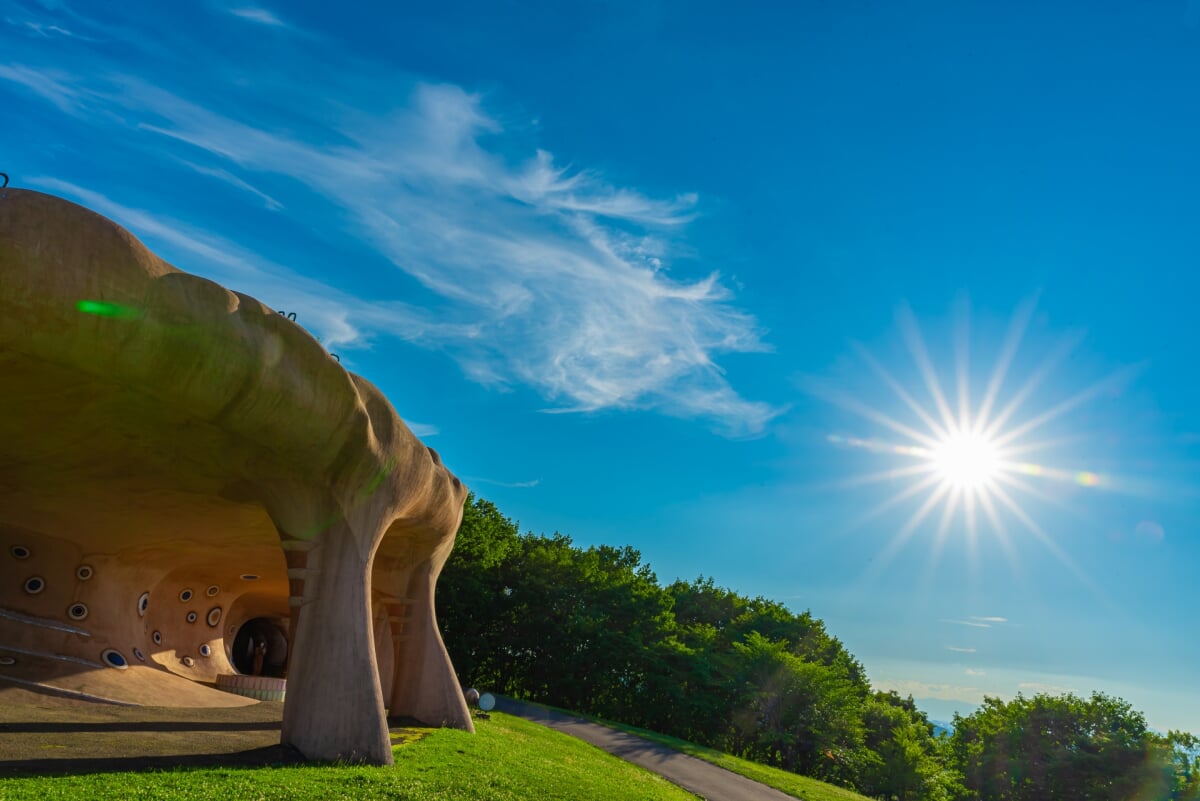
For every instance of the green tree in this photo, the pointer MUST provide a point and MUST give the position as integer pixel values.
(1058, 748)
(1179, 755)
(802, 716)
(909, 764)
(471, 593)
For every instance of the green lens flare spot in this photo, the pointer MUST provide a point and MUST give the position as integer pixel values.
(102, 308)
(378, 478)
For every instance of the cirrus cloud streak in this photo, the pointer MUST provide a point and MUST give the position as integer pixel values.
(538, 275)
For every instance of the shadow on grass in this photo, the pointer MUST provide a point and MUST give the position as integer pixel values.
(135, 726)
(274, 755)
(402, 731)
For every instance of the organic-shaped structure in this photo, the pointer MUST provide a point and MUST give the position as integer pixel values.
(191, 487)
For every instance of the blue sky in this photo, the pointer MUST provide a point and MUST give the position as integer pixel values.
(662, 274)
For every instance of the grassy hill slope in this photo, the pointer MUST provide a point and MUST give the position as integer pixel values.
(507, 760)
(785, 781)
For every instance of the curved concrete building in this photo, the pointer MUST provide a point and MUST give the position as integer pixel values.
(193, 491)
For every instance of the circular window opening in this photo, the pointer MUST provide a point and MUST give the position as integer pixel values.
(205, 650)
(185, 596)
(188, 661)
(115, 659)
(138, 653)
(143, 603)
(249, 577)
(77, 611)
(212, 591)
(84, 572)
(191, 617)
(260, 648)
(157, 637)
(7, 660)
(19, 552)
(34, 585)
(214, 616)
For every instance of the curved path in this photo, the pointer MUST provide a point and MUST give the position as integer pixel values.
(694, 775)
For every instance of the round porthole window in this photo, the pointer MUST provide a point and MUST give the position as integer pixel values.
(19, 552)
(157, 637)
(143, 603)
(214, 616)
(137, 652)
(114, 658)
(185, 596)
(191, 617)
(188, 661)
(34, 585)
(249, 577)
(77, 611)
(7, 660)
(213, 590)
(84, 572)
(205, 650)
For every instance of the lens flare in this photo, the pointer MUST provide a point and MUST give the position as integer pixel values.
(102, 308)
(964, 456)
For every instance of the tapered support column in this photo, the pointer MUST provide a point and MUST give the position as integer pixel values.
(425, 686)
(334, 708)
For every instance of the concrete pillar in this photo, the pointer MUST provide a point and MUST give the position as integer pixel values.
(334, 708)
(424, 685)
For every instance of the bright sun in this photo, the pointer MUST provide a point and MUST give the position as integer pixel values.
(966, 460)
(970, 459)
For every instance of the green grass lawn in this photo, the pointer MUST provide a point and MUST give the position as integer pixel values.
(508, 759)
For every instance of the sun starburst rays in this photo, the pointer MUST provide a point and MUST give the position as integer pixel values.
(971, 463)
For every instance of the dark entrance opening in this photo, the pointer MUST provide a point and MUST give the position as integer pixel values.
(260, 648)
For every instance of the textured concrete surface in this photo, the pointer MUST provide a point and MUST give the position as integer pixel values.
(180, 463)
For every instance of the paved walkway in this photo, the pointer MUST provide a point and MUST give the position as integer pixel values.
(694, 775)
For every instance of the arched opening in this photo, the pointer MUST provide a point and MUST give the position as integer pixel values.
(260, 648)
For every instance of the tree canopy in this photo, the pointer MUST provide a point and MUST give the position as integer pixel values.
(1066, 748)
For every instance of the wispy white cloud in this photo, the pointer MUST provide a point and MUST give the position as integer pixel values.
(259, 15)
(421, 429)
(544, 184)
(975, 621)
(925, 690)
(47, 30)
(1038, 687)
(51, 85)
(974, 672)
(960, 649)
(58, 20)
(508, 484)
(233, 180)
(965, 694)
(537, 274)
